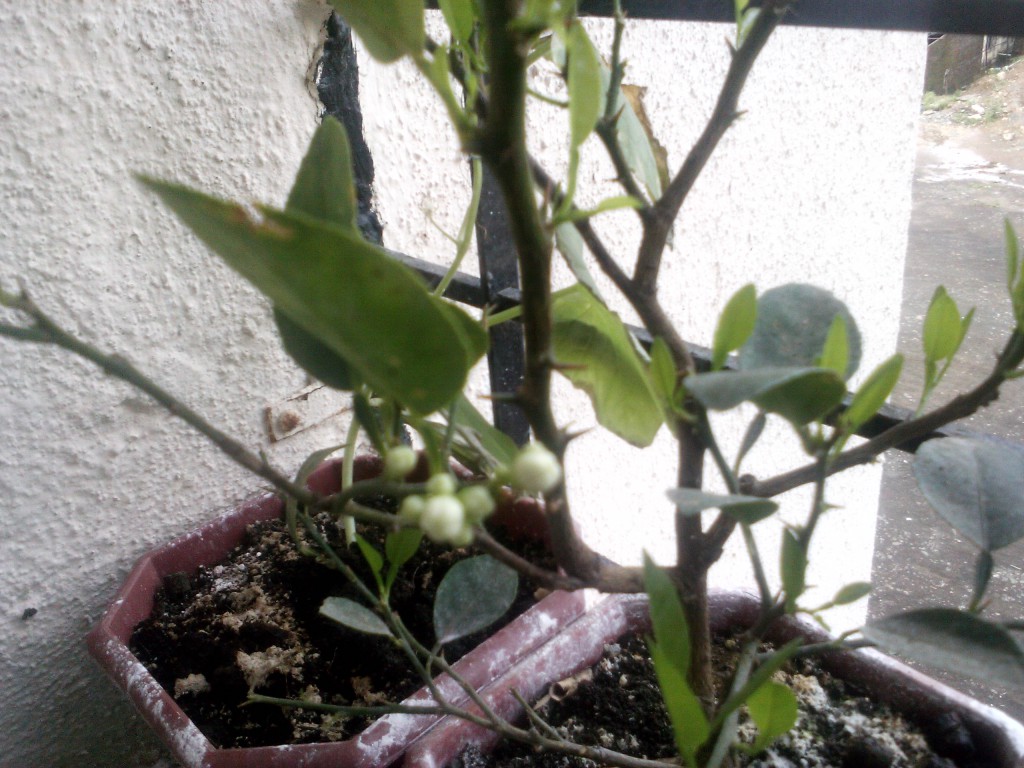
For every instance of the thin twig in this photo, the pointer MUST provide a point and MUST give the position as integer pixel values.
(666, 209)
(958, 408)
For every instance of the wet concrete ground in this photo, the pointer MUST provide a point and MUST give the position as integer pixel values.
(970, 177)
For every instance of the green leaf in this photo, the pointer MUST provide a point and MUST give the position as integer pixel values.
(953, 640)
(372, 557)
(399, 547)
(460, 18)
(644, 155)
(477, 432)
(836, 354)
(872, 394)
(664, 376)
(942, 327)
(584, 81)
(373, 312)
(1015, 274)
(474, 594)
(598, 356)
(773, 708)
(793, 323)
(735, 325)
(689, 723)
(354, 616)
(324, 188)
(793, 568)
(745, 509)
(570, 244)
(668, 621)
(800, 395)
(977, 486)
(851, 593)
(390, 29)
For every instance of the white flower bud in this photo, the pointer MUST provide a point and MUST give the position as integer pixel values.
(535, 469)
(441, 484)
(443, 518)
(411, 508)
(477, 501)
(400, 461)
(463, 538)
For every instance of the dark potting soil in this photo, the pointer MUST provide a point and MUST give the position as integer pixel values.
(252, 623)
(617, 704)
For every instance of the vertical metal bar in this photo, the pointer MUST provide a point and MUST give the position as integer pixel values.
(337, 85)
(498, 271)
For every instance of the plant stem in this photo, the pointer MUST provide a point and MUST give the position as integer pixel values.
(666, 209)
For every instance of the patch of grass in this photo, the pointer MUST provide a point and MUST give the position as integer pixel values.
(937, 102)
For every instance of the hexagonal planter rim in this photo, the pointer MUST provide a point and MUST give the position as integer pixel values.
(380, 744)
(581, 644)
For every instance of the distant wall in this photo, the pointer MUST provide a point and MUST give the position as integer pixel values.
(956, 61)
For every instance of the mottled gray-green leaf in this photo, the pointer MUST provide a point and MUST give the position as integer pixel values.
(977, 486)
(953, 640)
(799, 395)
(746, 509)
(793, 323)
(354, 616)
(474, 594)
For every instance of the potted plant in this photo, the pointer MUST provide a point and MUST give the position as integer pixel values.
(362, 323)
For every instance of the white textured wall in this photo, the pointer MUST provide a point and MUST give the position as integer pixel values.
(91, 474)
(813, 184)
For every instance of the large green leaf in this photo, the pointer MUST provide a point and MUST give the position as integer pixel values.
(800, 395)
(599, 358)
(977, 486)
(313, 356)
(793, 323)
(953, 640)
(375, 313)
(323, 189)
(474, 594)
(390, 29)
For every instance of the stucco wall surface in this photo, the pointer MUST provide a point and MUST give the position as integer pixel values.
(91, 474)
(813, 184)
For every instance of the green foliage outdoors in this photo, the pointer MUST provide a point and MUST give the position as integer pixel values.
(365, 324)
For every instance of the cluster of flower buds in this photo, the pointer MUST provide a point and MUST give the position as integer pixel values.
(447, 513)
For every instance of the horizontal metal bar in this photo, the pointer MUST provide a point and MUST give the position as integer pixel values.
(970, 17)
(467, 290)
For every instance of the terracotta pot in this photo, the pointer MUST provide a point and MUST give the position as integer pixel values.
(383, 742)
(998, 740)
